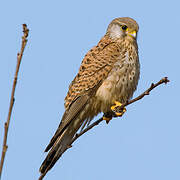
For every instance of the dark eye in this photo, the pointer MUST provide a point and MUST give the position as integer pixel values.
(124, 27)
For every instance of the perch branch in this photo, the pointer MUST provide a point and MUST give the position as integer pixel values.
(147, 92)
(6, 125)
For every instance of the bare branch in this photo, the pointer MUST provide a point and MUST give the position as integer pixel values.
(147, 92)
(6, 125)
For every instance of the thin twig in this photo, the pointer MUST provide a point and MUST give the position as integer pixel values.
(6, 124)
(147, 92)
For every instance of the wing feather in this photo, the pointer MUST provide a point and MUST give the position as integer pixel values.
(69, 116)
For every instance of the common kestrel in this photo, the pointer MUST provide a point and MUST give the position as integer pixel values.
(107, 77)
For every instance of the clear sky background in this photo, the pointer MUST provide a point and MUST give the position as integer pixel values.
(142, 145)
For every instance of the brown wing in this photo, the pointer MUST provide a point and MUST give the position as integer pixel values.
(95, 67)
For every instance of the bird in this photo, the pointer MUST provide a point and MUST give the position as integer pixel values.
(107, 77)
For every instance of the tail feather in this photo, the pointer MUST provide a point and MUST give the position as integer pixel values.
(61, 141)
(47, 162)
(59, 147)
(61, 144)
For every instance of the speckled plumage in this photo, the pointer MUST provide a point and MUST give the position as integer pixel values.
(109, 72)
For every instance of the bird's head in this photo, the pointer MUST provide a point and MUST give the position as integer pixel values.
(123, 27)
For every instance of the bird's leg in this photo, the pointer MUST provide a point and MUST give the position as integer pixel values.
(117, 109)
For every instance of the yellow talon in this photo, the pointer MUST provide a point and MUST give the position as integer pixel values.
(114, 108)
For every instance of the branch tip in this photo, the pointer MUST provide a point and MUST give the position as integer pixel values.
(166, 80)
(25, 31)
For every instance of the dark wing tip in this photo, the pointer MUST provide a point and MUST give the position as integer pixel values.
(48, 162)
(48, 147)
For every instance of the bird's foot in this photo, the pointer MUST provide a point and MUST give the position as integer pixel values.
(117, 109)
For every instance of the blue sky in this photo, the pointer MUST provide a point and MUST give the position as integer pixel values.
(143, 144)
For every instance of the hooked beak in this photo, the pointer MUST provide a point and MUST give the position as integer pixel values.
(132, 34)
